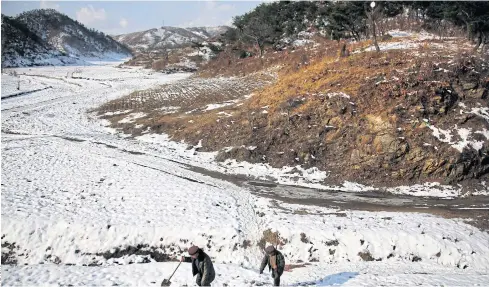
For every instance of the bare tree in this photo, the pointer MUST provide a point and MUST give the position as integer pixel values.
(344, 51)
(258, 31)
(372, 16)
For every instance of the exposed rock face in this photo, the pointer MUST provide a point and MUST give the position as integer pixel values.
(433, 130)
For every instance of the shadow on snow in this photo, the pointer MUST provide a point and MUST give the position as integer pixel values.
(330, 280)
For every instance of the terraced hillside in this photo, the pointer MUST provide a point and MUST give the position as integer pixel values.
(168, 106)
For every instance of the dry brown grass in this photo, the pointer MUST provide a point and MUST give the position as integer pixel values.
(272, 238)
(227, 63)
(329, 75)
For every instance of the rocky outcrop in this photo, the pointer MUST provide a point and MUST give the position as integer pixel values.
(408, 132)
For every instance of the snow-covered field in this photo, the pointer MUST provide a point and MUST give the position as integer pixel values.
(15, 84)
(85, 205)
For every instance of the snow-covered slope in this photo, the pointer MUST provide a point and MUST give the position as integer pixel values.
(209, 32)
(22, 47)
(169, 37)
(47, 37)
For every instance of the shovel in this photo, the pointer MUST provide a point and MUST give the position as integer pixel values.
(167, 282)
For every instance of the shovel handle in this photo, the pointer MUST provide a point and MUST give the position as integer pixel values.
(175, 270)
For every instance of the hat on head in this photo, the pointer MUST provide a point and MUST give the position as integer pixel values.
(193, 250)
(270, 249)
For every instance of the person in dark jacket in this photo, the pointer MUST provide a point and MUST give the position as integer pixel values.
(201, 266)
(276, 263)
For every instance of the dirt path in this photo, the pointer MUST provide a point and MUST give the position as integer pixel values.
(474, 209)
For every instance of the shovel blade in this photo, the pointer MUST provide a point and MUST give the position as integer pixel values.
(166, 282)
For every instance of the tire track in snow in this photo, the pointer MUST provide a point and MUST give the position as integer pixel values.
(146, 163)
(25, 93)
(249, 224)
(50, 102)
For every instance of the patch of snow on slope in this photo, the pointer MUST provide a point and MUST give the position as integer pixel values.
(302, 42)
(394, 46)
(160, 32)
(210, 107)
(356, 187)
(423, 35)
(484, 132)
(200, 34)
(286, 175)
(337, 94)
(116, 113)
(178, 39)
(433, 189)
(399, 33)
(481, 112)
(184, 62)
(484, 191)
(169, 110)
(131, 117)
(464, 135)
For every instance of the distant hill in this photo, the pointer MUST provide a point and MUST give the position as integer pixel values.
(169, 37)
(47, 37)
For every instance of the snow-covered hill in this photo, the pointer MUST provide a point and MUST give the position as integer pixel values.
(47, 37)
(22, 47)
(169, 37)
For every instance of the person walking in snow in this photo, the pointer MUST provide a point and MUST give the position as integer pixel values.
(276, 263)
(201, 266)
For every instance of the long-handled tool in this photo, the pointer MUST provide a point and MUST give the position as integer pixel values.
(167, 282)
